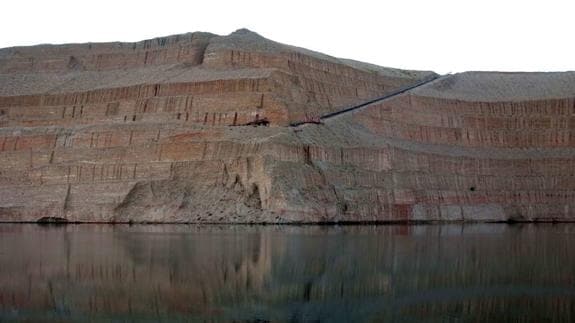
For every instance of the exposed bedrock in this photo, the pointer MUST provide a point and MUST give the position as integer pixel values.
(441, 152)
(155, 131)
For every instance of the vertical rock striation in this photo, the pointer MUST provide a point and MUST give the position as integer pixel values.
(467, 147)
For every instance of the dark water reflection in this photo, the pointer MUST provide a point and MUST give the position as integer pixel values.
(167, 273)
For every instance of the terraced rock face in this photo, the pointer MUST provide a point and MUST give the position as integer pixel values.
(472, 146)
(155, 131)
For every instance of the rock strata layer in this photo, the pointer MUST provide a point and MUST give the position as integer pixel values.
(156, 131)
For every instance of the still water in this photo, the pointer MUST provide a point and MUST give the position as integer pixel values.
(182, 273)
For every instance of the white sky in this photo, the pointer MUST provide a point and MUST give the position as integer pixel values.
(440, 35)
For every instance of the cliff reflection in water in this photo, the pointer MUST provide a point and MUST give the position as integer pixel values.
(351, 273)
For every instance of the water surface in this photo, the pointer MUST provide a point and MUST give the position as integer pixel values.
(181, 273)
